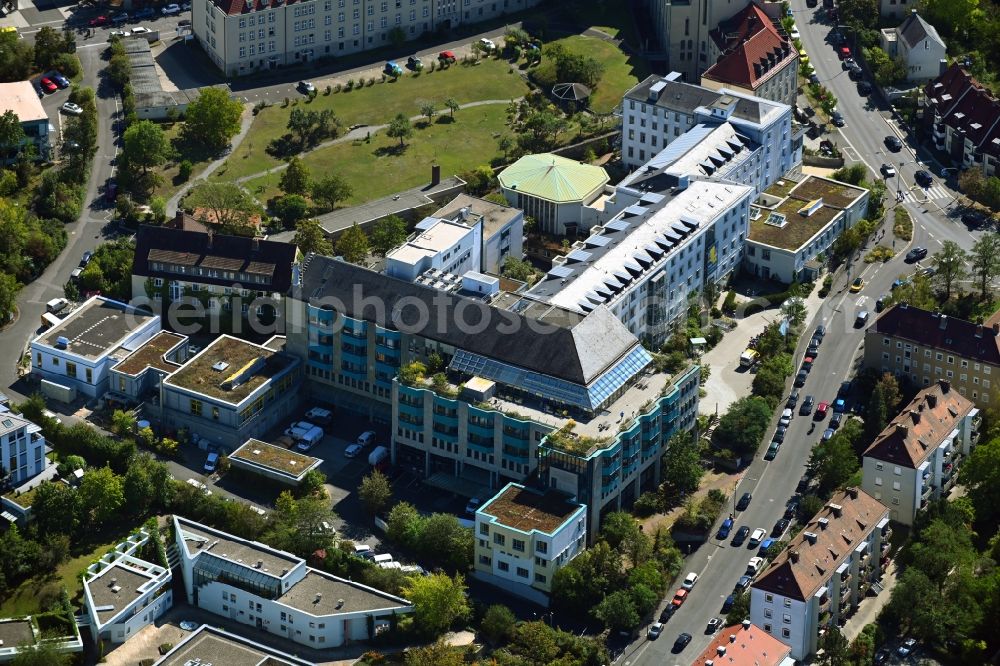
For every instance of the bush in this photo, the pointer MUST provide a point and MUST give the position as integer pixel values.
(879, 253)
(648, 504)
(729, 304)
(902, 227)
(184, 170)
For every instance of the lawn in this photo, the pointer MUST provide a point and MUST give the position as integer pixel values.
(376, 169)
(379, 103)
(608, 17)
(620, 73)
(169, 183)
(27, 597)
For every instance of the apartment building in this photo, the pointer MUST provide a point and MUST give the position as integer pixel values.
(924, 347)
(523, 536)
(124, 593)
(22, 99)
(895, 9)
(823, 573)
(275, 592)
(79, 352)
(245, 36)
(659, 110)
(22, 449)
(756, 57)
(797, 219)
(745, 645)
(211, 645)
(918, 45)
(505, 374)
(231, 391)
(215, 272)
(963, 119)
(644, 263)
(915, 459)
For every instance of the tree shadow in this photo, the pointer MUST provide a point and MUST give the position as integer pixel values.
(395, 150)
(444, 120)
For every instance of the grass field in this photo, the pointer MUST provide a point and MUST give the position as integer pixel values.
(168, 172)
(375, 169)
(619, 75)
(377, 104)
(608, 17)
(27, 598)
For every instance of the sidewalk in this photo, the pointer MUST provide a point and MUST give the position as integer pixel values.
(869, 609)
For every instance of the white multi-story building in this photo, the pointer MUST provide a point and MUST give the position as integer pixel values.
(80, 351)
(124, 593)
(524, 536)
(795, 221)
(659, 110)
(22, 449)
(244, 36)
(915, 459)
(275, 592)
(449, 247)
(502, 228)
(823, 573)
(643, 263)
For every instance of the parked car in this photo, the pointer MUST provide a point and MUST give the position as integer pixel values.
(791, 508)
(923, 178)
(907, 647)
(837, 119)
(744, 502)
(779, 434)
(472, 506)
(352, 451)
(144, 13)
(447, 56)
(756, 536)
(857, 285)
(893, 143)
(864, 88)
(487, 44)
(821, 410)
(861, 319)
(71, 108)
(800, 379)
(75, 275)
(713, 625)
(772, 451)
(118, 33)
(840, 405)
(779, 527)
(786, 417)
(740, 536)
(171, 9)
(98, 21)
(319, 416)
(414, 63)
(724, 528)
(728, 602)
(844, 52)
(793, 399)
(60, 80)
(366, 438)
(48, 85)
(888, 171)
(812, 349)
(392, 69)
(140, 30)
(118, 19)
(848, 64)
(110, 189)
(916, 254)
(689, 581)
(679, 598)
(807, 406)
(827, 434)
(742, 584)
(681, 642)
(306, 87)
(199, 485)
(755, 565)
(654, 631)
(835, 421)
(807, 363)
(820, 332)
(211, 462)
(85, 258)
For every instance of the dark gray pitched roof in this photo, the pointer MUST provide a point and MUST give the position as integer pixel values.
(681, 96)
(914, 29)
(569, 348)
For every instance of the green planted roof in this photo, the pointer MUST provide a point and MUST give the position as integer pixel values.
(553, 178)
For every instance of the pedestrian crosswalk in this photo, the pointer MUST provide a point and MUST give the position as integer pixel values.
(927, 194)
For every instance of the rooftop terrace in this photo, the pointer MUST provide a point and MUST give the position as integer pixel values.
(116, 587)
(321, 594)
(95, 328)
(230, 369)
(798, 228)
(16, 632)
(274, 457)
(151, 354)
(527, 510)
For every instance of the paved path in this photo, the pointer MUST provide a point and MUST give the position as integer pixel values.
(361, 133)
(246, 120)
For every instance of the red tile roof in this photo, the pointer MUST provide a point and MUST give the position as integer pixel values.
(753, 49)
(234, 7)
(963, 103)
(744, 645)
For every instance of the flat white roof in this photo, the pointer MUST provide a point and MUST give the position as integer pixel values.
(437, 236)
(21, 98)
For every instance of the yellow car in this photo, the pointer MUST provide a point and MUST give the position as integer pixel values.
(857, 285)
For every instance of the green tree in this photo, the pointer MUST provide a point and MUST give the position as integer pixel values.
(39, 654)
(438, 602)
(49, 43)
(916, 292)
(682, 470)
(740, 609)
(56, 509)
(388, 233)
(981, 476)
(375, 492)
(984, 262)
(771, 375)
(794, 309)
(882, 404)
(353, 245)
(404, 525)
(518, 269)
(329, 191)
(213, 119)
(954, 16)
(504, 144)
(833, 648)
(122, 422)
(452, 105)
(295, 178)
(9, 287)
(617, 611)
(145, 145)
(854, 174)
(400, 128)
(16, 57)
(226, 206)
(617, 527)
(310, 237)
(290, 209)
(298, 524)
(498, 624)
(101, 494)
(949, 262)
(11, 134)
(443, 540)
(742, 428)
(427, 110)
(438, 653)
(835, 460)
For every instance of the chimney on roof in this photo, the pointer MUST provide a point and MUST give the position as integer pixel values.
(810, 537)
(915, 415)
(902, 429)
(853, 492)
(823, 523)
(836, 509)
(208, 244)
(931, 400)
(979, 330)
(943, 322)
(996, 329)
(721, 650)
(746, 625)
(945, 385)
(793, 556)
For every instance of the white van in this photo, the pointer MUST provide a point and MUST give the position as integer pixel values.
(362, 550)
(309, 439)
(56, 305)
(382, 558)
(366, 439)
(319, 415)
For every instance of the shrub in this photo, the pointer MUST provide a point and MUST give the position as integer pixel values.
(902, 227)
(184, 170)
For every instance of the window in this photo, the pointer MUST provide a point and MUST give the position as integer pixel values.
(897, 471)
(896, 485)
(541, 547)
(539, 578)
(518, 545)
(788, 603)
(484, 529)
(498, 539)
(196, 405)
(522, 572)
(786, 618)
(878, 480)
(70, 369)
(768, 613)
(767, 627)
(483, 559)
(785, 633)
(879, 466)
(503, 566)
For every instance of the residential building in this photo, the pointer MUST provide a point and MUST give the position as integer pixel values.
(275, 463)
(22, 449)
(660, 109)
(894, 9)
(918, 45)
(824, 572)
(210, 273)
(245, 36)
(124, 593)
(963, 119)
(23, 634)
(21, 97)
(79, 352)
(512, 370)
(557, 192)
(915, 459)
(795, 221)
(231, 391)
(137, 376)
(923, 347)
(275, 592)
(503, 229)
(644, 263)
(523, 536)
(757, 57)
(211, 645)
(683, 32)
(745, 645)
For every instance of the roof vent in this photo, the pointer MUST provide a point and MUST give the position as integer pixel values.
(62, 342)
(260, 563)
(319, 598)
(340, 604)
(837, 509)
(943, 322)
(721, 650)
(810, 537)
(746, 625)
(853, 492)
(823, 523)
(793, 556)
(219, 366)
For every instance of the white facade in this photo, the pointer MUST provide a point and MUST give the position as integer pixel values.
(244, 36)
(450, 247)
(660, 109)
(81, 351)
(279, 593)
(895, 9)
(124, 593)
(919, 46)
(22, 448)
